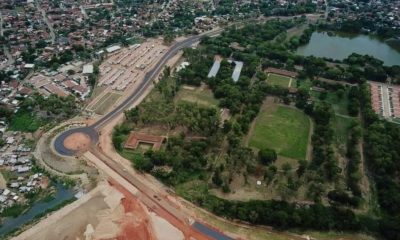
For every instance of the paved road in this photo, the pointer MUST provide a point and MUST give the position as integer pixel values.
(5, 49)
(146, 81)
(93, 130)
(152, 199)
(46, 20)
(59, 141)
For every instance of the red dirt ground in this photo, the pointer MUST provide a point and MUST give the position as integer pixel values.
(77, 142)
(136, 224)
(131, 203)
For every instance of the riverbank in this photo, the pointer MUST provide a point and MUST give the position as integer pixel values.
(63, 196)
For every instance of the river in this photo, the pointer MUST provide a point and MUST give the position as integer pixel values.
(339, 47)
(62, 194)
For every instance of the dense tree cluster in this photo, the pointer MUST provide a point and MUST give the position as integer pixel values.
(202, 160)
(381, 146)
(284, 215)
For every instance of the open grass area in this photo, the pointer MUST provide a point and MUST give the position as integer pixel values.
(279, 80)
(197, 95)
(296, 31)
(131, 154)
(304, 84)
(339, 104)
(105, 103)
(342, 126)
(283, 129)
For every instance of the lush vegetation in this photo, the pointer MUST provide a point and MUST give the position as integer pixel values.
(330, 182)
(382, 152)
(36, 111)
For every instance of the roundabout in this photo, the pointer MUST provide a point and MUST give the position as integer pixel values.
(75, 140)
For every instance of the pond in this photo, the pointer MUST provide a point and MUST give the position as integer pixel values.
(339, 47)
(62, 194)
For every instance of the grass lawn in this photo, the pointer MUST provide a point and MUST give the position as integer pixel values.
(131, 154)
(200, 96)
(283, 129)
(295, 31)
(274, 79)
(305, 84)
(341, 126)
(25, 122)
(105, 103)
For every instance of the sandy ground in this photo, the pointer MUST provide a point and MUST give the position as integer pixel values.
(161, 226)
(77, 142)
(70, 221)
(107, 212)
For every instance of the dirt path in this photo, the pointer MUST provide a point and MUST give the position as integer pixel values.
(309, 145)
(3, 182)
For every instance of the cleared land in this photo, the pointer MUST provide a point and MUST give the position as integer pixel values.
(279, 80)
(202, 96)
(105, 103)
(282, 128)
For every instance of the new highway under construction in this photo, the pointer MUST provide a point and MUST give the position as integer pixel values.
(155, 201)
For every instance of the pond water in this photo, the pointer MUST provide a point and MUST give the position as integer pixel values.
(10, 224)
(339, 47)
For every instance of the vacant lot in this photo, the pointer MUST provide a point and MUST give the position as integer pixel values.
(279, 80)
(281, 128)
(105, 103)
(202, 96)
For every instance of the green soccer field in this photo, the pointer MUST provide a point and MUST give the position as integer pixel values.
(275, 79)
(283, 129)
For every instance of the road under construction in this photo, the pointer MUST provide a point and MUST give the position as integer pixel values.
(155, 201)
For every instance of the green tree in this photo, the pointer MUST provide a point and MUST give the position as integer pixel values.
(267, 156)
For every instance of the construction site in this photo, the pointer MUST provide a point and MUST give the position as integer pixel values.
(107, 212)
(122, 71)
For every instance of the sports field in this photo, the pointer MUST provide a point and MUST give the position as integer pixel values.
(279, 80)
(283, 129)
(197, 95)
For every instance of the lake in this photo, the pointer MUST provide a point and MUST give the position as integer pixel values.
(62, 194)
(339, 47)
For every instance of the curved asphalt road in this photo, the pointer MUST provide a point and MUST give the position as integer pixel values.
(92, 131)
(59, 141)
(146, 81)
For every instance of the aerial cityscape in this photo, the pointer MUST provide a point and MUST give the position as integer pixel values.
(200, 119)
